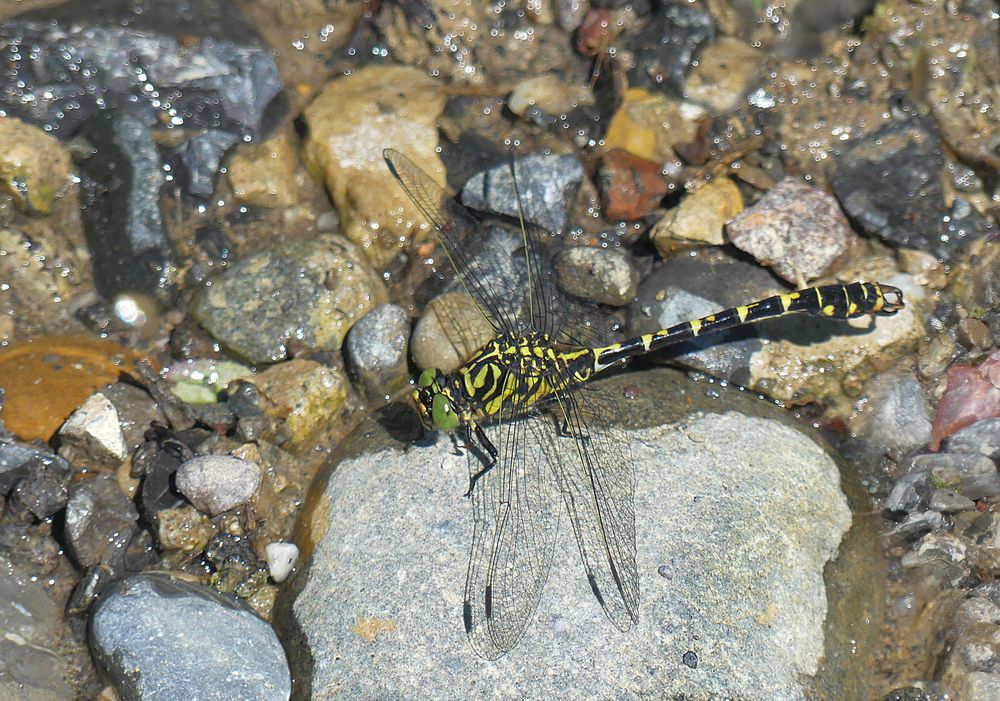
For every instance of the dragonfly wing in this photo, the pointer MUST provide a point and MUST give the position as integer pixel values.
(455, 226)
(594, 471)
(516, 514)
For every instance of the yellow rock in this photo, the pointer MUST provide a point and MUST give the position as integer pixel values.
(649, 125)
(699, 218)
(351, 121)
(265, 174)
(34, 167)
(305, 397)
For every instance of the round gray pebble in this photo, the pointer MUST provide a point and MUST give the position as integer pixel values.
(376, 348)
(157, 638)
(600, 275)
(218, 483)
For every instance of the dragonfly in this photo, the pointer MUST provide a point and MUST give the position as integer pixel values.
(536, 430)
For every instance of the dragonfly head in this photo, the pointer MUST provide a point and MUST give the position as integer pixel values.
(434, 401)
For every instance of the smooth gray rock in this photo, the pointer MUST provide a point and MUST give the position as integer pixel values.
(377, 348)
(736, 519)
(218, 483)
(898, 421)
(973, 476)
(159, 638)
(100, 520)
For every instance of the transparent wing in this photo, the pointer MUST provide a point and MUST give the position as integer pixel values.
(455, 226)
(593, 466)
(516, 512)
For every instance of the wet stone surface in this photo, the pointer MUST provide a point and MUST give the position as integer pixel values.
(140, 615)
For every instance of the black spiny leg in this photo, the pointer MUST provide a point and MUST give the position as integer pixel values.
(478, 435)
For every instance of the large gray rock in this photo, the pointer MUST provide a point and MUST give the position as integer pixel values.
(155, 637)
(736, 519)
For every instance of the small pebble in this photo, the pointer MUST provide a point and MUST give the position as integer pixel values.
(450, 330)
(605, 276)
(281, 559)
(376, 349)
(92, 438)
(699, 218)
(549, 95)
(910, 493)
(917, 523)
(948, 502)
(937, 547)
(632, 186)
(973, 333)
(184, 528)
(545, 184)
(218, 483)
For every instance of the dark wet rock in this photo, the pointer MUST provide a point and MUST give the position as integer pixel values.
(795, 229)
(218, 483)
(153, 632)
(17, 460)
(973, 333)
(121, 188)
(666, 48)
(569, 639)
(92, 437)
(196, 71)
(699, 218)
(631, 186)
(281, 559)
(545, 183)
(137, 411)
(982, 437)
(974, 476)
(100, 520)
(897, 420)
(237, 569)
(449, 331)
(910, 493)
(917, 524)
(909, 693)
(42, 492)
(725, 72)
(605, 276)
(30, 669)
(946, 501)
(157, 463)
(889, 183)
(311, 292)
(376, 349)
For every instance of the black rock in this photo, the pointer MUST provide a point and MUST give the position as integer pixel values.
(121, 187)
(910, 493)
(17, 460)
(666, 48)
(100, 520)
(889, 183)
(42, 492)
(153, 632)
(909, 693)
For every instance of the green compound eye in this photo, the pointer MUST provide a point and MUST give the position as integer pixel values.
(444, 418)
(426, 378)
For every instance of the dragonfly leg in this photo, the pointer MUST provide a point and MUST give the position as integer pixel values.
(479, 436)
(566, 432)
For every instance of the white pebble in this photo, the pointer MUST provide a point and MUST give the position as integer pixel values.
(281, 559)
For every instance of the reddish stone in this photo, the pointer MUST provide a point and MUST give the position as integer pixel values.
(632, 186)
(972, 393)
(593, 35)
